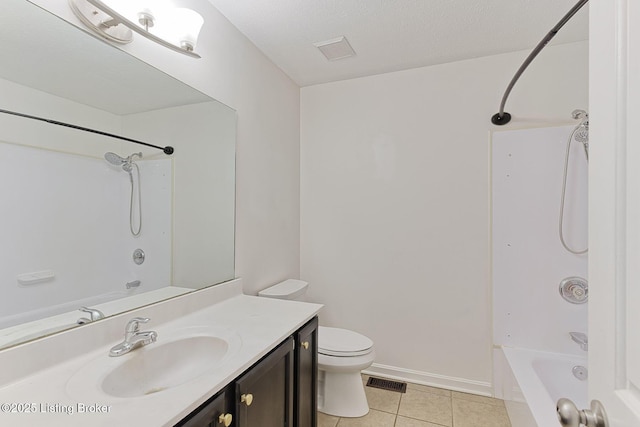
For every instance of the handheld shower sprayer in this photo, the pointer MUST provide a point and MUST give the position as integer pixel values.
(128, 164)
(581, 134)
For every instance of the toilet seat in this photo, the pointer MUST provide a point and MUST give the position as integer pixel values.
(342, 342)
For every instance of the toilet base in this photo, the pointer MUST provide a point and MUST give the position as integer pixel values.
(341, 394)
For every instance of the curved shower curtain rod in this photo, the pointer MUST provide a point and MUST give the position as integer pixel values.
(167, 150)
(502, 118)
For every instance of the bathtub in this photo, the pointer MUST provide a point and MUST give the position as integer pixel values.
(544, 378)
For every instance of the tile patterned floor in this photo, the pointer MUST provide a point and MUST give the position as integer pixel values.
(423, 406)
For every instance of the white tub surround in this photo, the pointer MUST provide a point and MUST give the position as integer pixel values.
(50, 382)
(529, 264)
(544, 378)
(528, 260)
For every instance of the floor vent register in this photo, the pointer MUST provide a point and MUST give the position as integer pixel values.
(390, 385)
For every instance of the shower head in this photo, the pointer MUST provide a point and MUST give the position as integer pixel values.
(581, 132)
(579, 114)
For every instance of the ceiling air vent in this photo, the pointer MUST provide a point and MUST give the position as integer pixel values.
(334, 49)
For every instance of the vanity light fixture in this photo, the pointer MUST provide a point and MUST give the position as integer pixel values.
(176, 28)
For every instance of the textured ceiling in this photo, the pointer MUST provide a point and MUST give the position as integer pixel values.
(391, 35)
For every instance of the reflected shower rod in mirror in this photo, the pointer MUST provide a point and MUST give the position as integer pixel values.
(502, 117)
(168, 150)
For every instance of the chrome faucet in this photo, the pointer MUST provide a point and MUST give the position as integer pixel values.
(133, 338)
(94, 315)
(581, 339)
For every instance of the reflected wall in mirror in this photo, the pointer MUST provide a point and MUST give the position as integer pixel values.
(67, 214)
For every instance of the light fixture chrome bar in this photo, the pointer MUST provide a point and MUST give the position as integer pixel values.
(117, 18)
(100, 22)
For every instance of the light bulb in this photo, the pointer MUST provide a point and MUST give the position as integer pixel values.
(187, 24)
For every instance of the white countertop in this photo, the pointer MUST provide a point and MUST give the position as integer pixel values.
(54, 398)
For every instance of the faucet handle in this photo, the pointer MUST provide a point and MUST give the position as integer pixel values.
(133, 325)
(581, 339)
(94, 312)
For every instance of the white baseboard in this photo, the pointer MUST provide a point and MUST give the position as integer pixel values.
(434, 380)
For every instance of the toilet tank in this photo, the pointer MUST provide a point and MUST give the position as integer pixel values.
(291, 289)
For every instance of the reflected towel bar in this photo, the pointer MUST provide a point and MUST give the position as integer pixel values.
(167, 150)
(502, 118)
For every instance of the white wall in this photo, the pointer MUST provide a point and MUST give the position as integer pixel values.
(395, 203)
(233, 71)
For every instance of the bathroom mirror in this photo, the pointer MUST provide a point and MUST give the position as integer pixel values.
(70, 218)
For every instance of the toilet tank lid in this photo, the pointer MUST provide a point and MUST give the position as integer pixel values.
(289, 289)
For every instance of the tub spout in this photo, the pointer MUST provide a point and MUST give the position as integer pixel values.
(581, 339)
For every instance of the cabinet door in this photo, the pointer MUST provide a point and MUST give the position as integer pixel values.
(213, 413)
(264, 395)
(306, 369)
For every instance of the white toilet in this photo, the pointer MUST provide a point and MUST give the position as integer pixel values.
(342, 354)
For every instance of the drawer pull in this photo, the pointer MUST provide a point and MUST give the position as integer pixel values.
(305, 345)
(247, 399)
(225, 419)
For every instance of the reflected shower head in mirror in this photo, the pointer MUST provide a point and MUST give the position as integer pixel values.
(116, 160)
(127, 165)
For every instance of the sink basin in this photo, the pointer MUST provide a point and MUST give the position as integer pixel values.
(177, 358)
(154, 368)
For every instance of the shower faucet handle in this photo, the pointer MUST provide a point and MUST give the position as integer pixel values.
(581, 339)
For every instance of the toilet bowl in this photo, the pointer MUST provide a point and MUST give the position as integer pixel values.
(342, 354)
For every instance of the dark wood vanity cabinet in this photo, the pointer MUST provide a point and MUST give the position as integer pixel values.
(280, 390)
(214, 412)
(264, 395)
(306, 368)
